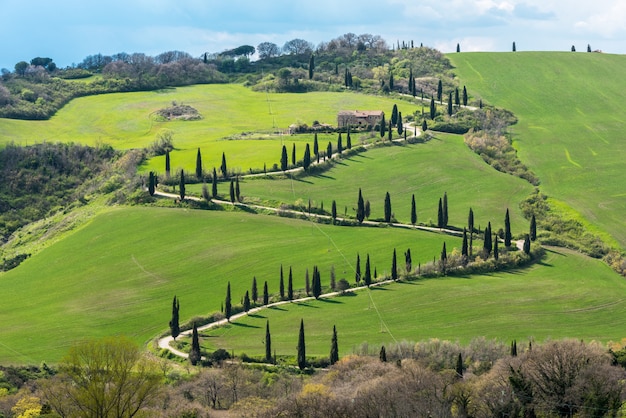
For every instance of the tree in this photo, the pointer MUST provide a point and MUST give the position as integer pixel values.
(232, 191)
(387, 208)
(301, 347)
(194, 351)
(573, 48)
(333, 211)
(514, 48)
(507, 229)
(228, 307)
(394, 114)
(329, 150)
(444, 258)
(514, 348)
(383, 126)
(588, 48)
(283, 159)
(307, 283)
(533, 228)
(20, 67)
(457, 100)
(367, 209)
(334, 348)
(367, 278)
(246, 302)
(394, 266)
(450, 104)
(339, 144)
(223, 167)
(424, 125)
(181, 186)
(333, 282)
(199, 165)
(281, 286)
(487, 244)
(360, 208)
(167, 163)
(459, 366)
(526, 246)
(496, 252)
(311, 66)
(433, 109)
(316, 149)
(174, 322)
(268, 343)
(293, 154)
(470, 227)
(297, 47)
(408, 263)
(306, 160)
(440, 214)
(317, 283)
(255, 292)
(151, 186)
(348, 140)
(458, 48)
(413, 211)
(382, 355)
(214, 184)
(464, 249)
(445, 209)
(390, 80)
(267, 50)
(237, 190)
(439, 92)
(464, 96)
(357, 275)
(110, 377)
(266, 295)
(400, 126)
(390, 132)
(290, 285)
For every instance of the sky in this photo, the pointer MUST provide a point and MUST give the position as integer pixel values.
(69, 30)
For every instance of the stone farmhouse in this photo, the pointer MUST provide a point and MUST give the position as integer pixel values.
(359, 118)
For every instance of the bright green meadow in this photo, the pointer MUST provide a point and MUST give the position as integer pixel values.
(572, 116)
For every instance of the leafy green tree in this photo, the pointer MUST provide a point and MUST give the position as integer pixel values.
(232, 191)
(450, 104)
(383, 126)
(433, 109)
(301, 347)
(394, 114)
(445, 209)
(174, 322)
(283, 159)
(357, 275)
(151, 186)
(334, 348)
(526, 246)
(333, 211)
(199, 165)
(281, 286)
(573, 48)
(440, 223)
(339, 144)
(316, 149)
(413, 210)
(254, 292)
(311, 66)
(400, 127)
(394, 266)
(464, 96)
(439, 92)
(507, 229)
(329, 150)
(266, 294)
(424, 125)
(367, 278)
(228, 307)
(382, 355)
(306, 161)
(387, 207)
(290, 285)
(167, 163)
(533, 228)
(214, 184)
(223, 167)
(194, 352)
(360, 208)
(246, 302)
(181, 186)
(268, 343)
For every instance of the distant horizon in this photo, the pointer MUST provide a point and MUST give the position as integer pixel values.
(70, 30)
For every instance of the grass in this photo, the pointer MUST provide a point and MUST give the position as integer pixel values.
(549, 301)
(118, 274)
(572, 111)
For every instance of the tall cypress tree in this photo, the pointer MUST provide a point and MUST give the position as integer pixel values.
(334, 348)
(348, 140)
(333, 211)
(307, 283)
(457, 99)
(311, 66)
(293, 154)
(223, 167)
(316, 148)
(433, 109)
(390, 80)
(151, 183)
(408, 262)
(487, 244)
(394, 114)
(255, 291)
(290, 285)
(514, 48)
(470, 227)
(167, 164)
(526, 246)
(360, 208)
(214, 184)
(306, 160)
(339, 144)
(507, 229)
(181, 186)
(450, 104)
(237, 190)
(533, 228)
(440, 214)
(439, 92)
(514, 348)
(383, 126)
(459, 366)
(329, 150)
(394, 266)
(496, 252)
(387, 208)
(367, 209)
(424, 125)
(458, 47)
(317, 283)
(399, 125)
(382, 355)
(194, 352)
(174, 322)
(266, 294)
(228, 307)
(301, 347)
(357, 275)
(232, 191)
(367, 278)
(390, 132)
(281, 286)
(445, 209)
(199, 165)
(464, 249)
(246, 302)
(268, 343)
(464, 96)
(413, 211)
(283, 159)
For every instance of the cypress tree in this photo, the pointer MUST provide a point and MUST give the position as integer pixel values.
(445, 209)
(444, 258)
(433, 109)
(514, 48)
(588, 48)
(174, 322)
(281, 286)
(413, 87)
(334, 348)
(199, 165)
(367, 209)
(317, 283)
(237, 190)
(214, 184)
(306, 160)
(390, 80)
(383, 126)
(526, 246)
(311, 66)
(533, 228)
(329, 150)
(464, 96)
(573, 48)
(333, 211)
(424, 125)
(458, 47)
(167, 164)
(316, 149)
(450, 104)
(507, 229)
(357, 275)
(496, 252)
(223, 167)
(348, 140)
(457, 100)
(394, 114)
(394, 267)
(408, 263)
(307, 283)
(487, 244)
(439, 92)
(459, 366)
(390, 132)
(464, 251)
(383, 354)
(268, 342)
(387, 208)
(301, 347)
(181, 186)
(228, 307)
(470, 227)
(400, 126)
(360, 208)
(440, 214)
(333, 283)
(266, 295)
(514, 348)
(413, 211)
(194, 352)
(232, 191)
(246, 302)
(283, 159)
(151, 186)
(290, 285)
(255, 292)
(367, 278)
(339, 144)
(293, 154)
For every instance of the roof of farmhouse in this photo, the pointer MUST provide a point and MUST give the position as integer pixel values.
(362, 113)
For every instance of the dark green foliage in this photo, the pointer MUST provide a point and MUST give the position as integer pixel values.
(588, 48)
(390, 80)
(199, 166)
(507, 229)
(246, 302)
(151, 183)
(394, 266)
(316, 149)
(311, 67)
(317, 283)
(266, 294)
(382, 355)
(333, 210)
(329, 150)
(367, 209)
(357, 274)
(464, 246)
(470, 227)
(394, 115)
(194, 352)
(459, 366)
(424, 125)
(450, 104)
(390, 132)
(533, 228)
(283, 159)
(307, 283)
(223, 167)
(387, 207)
(399, 125)
(360, 208)
(444, 254)
(457, 100)
(301, 347)
(458, 47)
(232, 191)
(167, 163)
(339, 144)
(445, 209)
(573, 48)
(214, 184)
(440, 214)
(268, 343)
(306, 161)
(496, 252)
(487, 243)
(514, 47)
(514, 348)
(254, 292)
(383, 126)
(237, 190)
(334, 348)
(348, 140)
(464, 96)
(413, 211)
(367, 278)
(408, 263)
(290, 285)
(228, 307)
(181, 186)
(439, 92)
(526, 246)
(174, 322)
(293, 155)
(281, 286)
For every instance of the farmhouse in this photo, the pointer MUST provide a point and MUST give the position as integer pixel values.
(359, 118)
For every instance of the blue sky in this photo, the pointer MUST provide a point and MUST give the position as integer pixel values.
(69, 30)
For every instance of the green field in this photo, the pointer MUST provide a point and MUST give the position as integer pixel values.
(572, 116)
(118, 274)
(551, 300)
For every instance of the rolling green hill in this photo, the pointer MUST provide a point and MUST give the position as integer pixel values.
(572, 112)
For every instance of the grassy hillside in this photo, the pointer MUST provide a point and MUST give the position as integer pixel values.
(549, 301)
(118, 274)
(572, 112)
